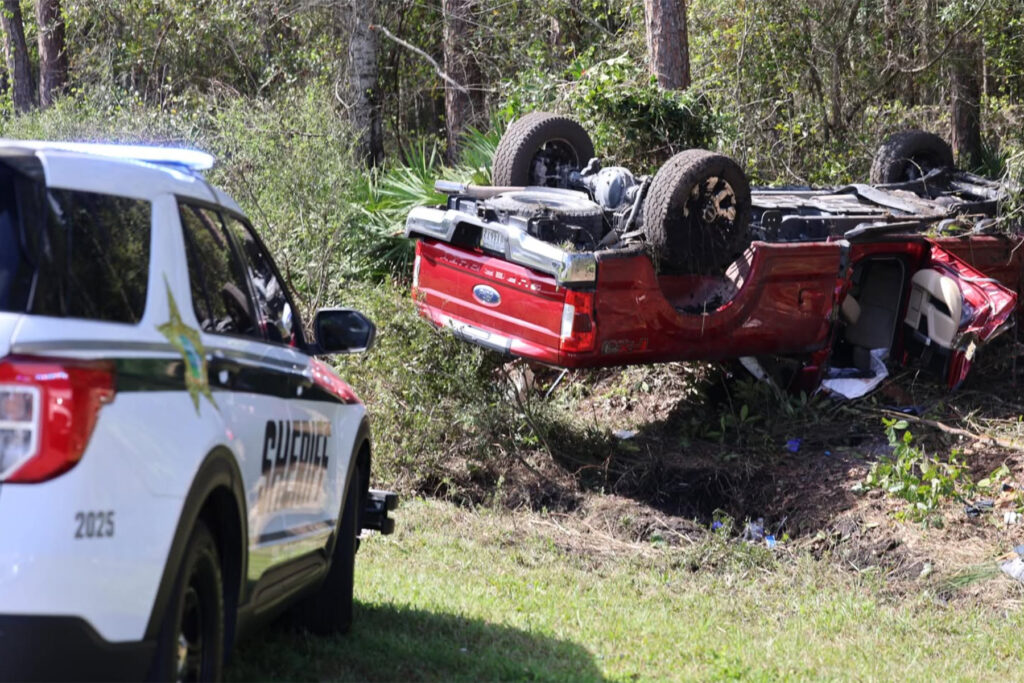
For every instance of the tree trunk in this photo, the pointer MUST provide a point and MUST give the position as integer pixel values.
(53, 58)
(16, 52)
(965, 110)
(667, 47)
(462, 108)
(363, 84)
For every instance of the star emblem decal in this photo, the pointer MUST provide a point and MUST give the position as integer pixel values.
(186, 340)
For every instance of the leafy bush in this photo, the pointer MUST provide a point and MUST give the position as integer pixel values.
(630, 119)
(911, 475)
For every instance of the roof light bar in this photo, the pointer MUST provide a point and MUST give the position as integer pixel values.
(191, 159)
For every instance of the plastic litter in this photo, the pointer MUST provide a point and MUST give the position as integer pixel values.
(754, 530)
(907, 410)
(793, 445)
(1011, 517)
(1014, 569)
(978, 507)
(624, 434)
(858, 385)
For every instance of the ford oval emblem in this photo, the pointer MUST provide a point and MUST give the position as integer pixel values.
(486, 295)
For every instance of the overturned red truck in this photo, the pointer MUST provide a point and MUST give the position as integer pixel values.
(574, 265)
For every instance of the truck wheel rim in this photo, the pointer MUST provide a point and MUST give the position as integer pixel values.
(554, 159)
(710, 212)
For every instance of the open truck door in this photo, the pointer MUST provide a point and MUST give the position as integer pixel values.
(953, 310)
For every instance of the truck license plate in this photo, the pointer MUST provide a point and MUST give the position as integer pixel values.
(492, 240)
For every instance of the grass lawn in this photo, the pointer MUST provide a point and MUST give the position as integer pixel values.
(461, 595)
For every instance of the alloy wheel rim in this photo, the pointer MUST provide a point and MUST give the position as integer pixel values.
(190, 638)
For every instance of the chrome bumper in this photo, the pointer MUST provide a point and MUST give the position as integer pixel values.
(569, 268)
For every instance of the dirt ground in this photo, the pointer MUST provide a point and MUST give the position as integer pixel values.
(641, 465)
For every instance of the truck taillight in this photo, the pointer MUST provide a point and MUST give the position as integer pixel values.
(579, 330)
(48, 409)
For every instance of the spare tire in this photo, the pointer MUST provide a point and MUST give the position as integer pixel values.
(541, 149)
(569, 206)
(696, 213)
(908, 156)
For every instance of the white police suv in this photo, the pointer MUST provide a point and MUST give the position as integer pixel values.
(175, 465)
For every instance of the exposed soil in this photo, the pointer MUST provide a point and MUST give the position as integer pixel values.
(639, 465)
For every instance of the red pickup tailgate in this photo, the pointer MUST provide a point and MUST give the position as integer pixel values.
(489, 301)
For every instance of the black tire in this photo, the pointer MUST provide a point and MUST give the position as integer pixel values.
(909, 155)
(559, 142)
(329, 610)
(696, 213)
(190, 646)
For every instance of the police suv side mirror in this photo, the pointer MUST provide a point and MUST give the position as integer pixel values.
(342, 330)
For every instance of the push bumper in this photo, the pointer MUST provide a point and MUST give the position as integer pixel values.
(60, 648)
(375, 514)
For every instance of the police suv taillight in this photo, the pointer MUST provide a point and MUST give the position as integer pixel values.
(48, 409)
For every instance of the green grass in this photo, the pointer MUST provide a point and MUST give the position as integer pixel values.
(455, 595)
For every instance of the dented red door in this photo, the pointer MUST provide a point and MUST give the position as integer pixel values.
(987, 310)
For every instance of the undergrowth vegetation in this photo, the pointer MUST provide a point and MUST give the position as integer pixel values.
(923, 481)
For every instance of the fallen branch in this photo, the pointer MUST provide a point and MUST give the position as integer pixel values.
(433, 62)
(957, 431)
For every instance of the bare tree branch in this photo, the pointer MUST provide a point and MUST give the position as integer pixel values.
(433, 62)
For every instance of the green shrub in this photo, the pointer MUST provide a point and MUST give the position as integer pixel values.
(923, 481)
(631, 120)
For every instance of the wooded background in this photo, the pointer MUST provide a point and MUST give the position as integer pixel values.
(798, 90)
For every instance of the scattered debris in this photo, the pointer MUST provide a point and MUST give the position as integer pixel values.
(978, 507)
(754, 531)
(906, 410)
(853, 383)
(554, 385)
(1014, 569)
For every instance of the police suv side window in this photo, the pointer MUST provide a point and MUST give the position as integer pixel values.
(275, 308)
(92, 257)
(220, 295)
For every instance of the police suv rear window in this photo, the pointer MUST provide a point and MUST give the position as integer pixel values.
(73, 254)
(97, 264)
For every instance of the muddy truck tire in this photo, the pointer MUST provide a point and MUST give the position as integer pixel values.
(541, 149)
(696, 213)
(908, 156)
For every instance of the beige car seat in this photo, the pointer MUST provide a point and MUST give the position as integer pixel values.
(849, 310)
(935, 307)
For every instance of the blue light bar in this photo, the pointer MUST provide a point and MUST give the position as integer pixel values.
(191, 159)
